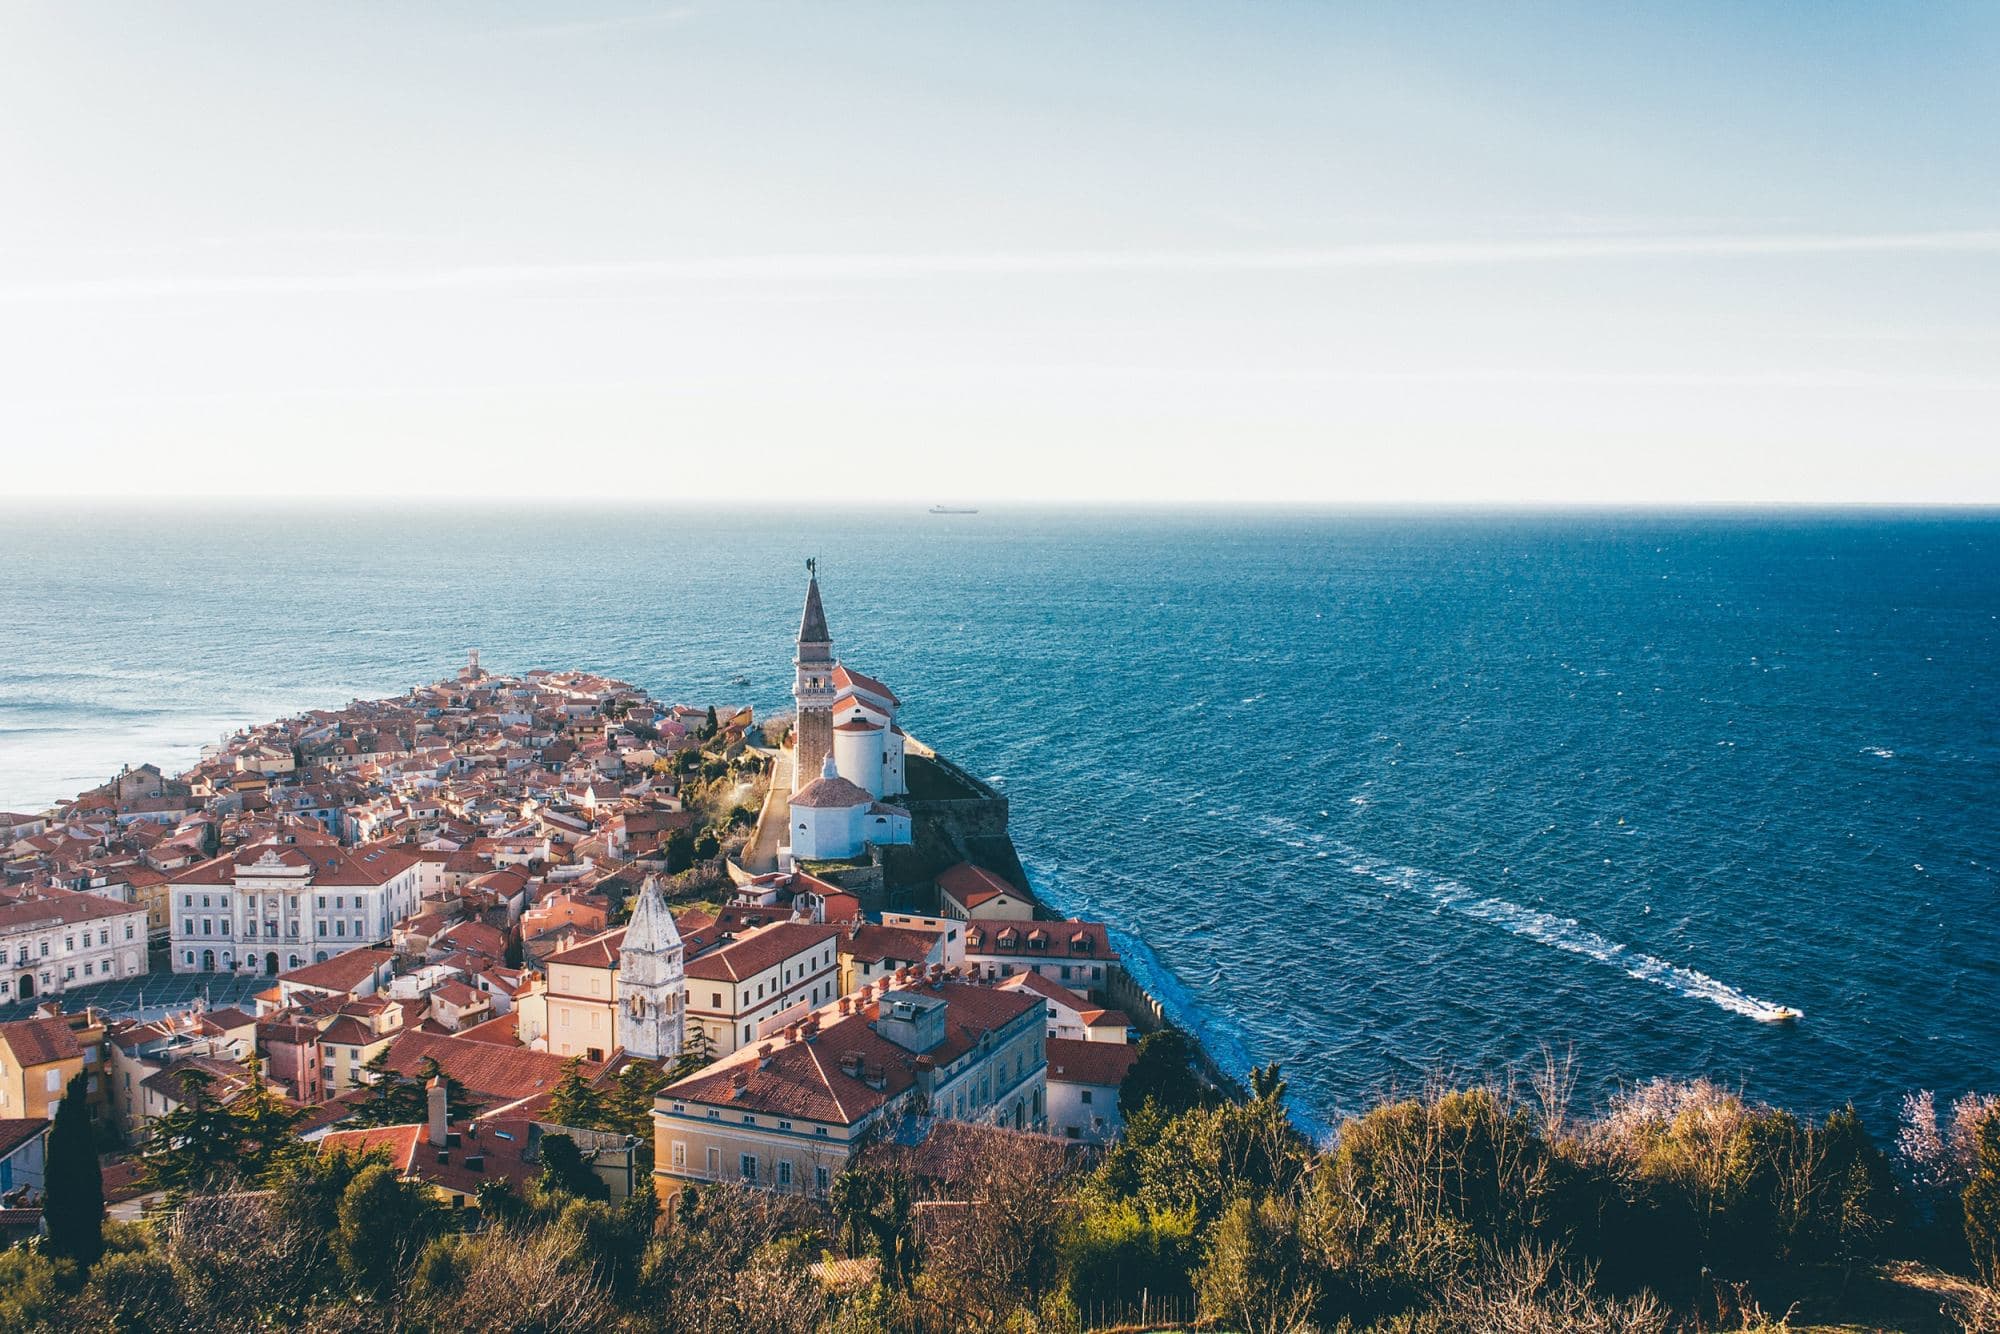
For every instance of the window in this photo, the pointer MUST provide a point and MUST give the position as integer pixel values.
(821, 1179)
(784, 1171)
(748, 1162)
(680, 1153)
(1086, 1097)
(128, 930)
(715, 1001)
(715, 1162)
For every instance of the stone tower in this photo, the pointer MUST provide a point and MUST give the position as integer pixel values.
(652, 989)
(812, 687)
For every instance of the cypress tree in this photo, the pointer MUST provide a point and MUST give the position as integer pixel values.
(74, 1210)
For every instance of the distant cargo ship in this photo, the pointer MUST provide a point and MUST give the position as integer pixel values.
(947, 509)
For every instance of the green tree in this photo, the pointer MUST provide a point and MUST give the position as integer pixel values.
(31, 1289)
(680, 851)
(306, 1191)
(574, 1102)
(264, 1121)
(197, 1143)
(395, 1099)
(1981, 1200)
(74, 1211)
(1117, 1253)
(873, 1211)
(712, 725)
(384, 1222)
(1163, 1074)
(1254, 1276)
(697, 1051)
(566, 1172)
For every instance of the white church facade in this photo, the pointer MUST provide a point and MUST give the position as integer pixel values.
(848, 752)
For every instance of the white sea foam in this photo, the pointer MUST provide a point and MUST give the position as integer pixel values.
(1572, 937)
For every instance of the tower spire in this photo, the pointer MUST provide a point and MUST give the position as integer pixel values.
(812, 625)
(812, 686)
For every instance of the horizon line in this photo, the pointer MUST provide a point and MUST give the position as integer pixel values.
(861, 266)
(571, 504)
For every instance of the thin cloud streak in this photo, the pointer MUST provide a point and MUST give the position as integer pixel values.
(868, 267)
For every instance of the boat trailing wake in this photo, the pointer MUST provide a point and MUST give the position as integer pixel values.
(1572, 937)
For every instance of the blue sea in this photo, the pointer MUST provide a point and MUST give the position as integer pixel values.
(1373, 795)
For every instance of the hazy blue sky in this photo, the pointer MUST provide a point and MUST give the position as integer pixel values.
(1305, 252)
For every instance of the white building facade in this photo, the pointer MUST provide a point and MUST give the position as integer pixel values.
(57, 939)
(271, 908)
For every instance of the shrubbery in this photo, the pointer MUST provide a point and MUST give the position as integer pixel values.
(1482, 1208)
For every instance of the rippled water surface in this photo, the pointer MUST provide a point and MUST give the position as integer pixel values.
(1380, 793)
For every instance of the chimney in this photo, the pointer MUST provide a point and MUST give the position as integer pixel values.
(435, 1097)
(847, 1005)
(764, 1056)
(739, 1083)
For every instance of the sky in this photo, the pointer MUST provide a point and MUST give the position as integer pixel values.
(1307, 253)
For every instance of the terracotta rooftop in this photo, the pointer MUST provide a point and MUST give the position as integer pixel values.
(761, 949)
(873, 943)
(490, 1072)
(1037, 940)
(973, 885)
(40, 1041)
(15, 1132)
(1103, 1064)
(834, 793)
(343, 972)
(806, 1079)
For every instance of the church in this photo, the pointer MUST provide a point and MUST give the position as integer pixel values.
(847, 751)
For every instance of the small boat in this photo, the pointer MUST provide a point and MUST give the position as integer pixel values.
(947, 509)
(1784, 1014)
(739, 680)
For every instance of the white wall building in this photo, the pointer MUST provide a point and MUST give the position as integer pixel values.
(274, 907)
(833, 818)
(55, 939)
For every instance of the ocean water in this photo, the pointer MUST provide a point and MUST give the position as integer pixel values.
(1371, 795)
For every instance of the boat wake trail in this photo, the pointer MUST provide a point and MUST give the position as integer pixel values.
(1571, 937)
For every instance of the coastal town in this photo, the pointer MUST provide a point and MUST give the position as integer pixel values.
(433, 926)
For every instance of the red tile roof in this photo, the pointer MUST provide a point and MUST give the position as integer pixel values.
(832, 794)
(58, 907)
(973, 885)
(806, 1079)
(1103, 1064)
(16, 1131)
(872, 943)
(490, 1072)
(343, 972)
(846, 678)
(40, 1041)
(599, 951)
(761, 949)
(1039, 940)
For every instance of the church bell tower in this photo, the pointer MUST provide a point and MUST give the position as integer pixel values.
(812, 687)
(652, 984)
